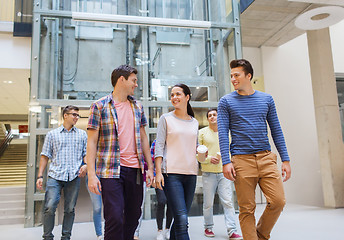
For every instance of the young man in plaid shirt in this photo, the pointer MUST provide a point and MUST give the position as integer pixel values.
(116, 148)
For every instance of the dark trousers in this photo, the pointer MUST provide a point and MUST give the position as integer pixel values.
(160, 210)
(122, 198)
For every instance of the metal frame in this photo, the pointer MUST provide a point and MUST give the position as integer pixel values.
(56, 104)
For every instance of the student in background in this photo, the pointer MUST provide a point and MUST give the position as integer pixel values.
(214, 181)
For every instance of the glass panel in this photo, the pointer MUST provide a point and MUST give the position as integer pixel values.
(152, 137)
(183, 58)
(44, 116)
(154, 115)
(340, 93)
(38, 210)
(39, 146)
(76, 61)
(92, 6)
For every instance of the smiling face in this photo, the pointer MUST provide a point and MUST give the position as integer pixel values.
(240, 81)
(212, 117)
(130, 83)
(178, 98)
(72, 117)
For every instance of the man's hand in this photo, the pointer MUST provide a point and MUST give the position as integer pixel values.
(94, 184)
(229, 172)
(149, 177)
(159, 181)
(39, 183)
(214, 160)
(286, 171)
(82, 171)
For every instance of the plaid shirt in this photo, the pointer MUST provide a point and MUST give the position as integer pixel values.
(66, 149)
(103, 117)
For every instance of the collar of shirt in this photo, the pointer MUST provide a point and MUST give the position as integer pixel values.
(63, 129)
(130, 98)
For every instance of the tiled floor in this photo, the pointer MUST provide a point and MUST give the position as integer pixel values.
(296, 222)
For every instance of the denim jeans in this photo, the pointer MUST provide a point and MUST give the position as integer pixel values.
(97, 210)
(137, 231)
(213, 182)
(179, 190)
(52, 198)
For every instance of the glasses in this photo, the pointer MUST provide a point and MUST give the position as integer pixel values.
(75, 115)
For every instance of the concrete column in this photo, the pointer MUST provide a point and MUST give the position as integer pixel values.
(331, 147)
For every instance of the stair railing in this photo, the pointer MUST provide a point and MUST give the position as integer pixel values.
(7, 140)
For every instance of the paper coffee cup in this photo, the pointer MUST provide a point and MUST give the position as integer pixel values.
(202, 150)
(218, 155)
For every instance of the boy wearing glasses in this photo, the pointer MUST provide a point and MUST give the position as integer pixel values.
(65, 146)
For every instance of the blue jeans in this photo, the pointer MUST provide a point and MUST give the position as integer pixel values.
(211, 183)
(97, 210)
(137, 231)
(52, 198)
(179, 190)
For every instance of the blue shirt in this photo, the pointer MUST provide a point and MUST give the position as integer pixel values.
(66, 149)
(246, 117)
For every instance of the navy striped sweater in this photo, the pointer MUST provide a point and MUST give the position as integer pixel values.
(246, 118)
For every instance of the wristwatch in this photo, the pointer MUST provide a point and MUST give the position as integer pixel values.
(39, 177)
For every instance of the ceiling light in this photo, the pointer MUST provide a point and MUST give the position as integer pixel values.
(316, 18)
(138, 20)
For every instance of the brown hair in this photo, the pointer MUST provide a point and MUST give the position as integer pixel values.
(123, 70)
(246, 65)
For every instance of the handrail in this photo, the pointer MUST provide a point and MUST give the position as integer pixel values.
(6, 142)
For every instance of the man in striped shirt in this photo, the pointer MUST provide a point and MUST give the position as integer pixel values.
(66, 148)
(245, 113)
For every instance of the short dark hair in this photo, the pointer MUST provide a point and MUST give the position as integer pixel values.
(123, 70)
(246, 65)
(210, 110)
(69, 108)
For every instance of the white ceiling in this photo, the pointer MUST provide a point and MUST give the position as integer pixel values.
(271, 22)
(14, 91)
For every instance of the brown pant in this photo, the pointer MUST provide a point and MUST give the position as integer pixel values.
(252, 169)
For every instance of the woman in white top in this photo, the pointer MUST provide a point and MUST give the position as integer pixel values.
(175, 158)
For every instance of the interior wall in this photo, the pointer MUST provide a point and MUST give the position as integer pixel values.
(15, 51)
(287, 78)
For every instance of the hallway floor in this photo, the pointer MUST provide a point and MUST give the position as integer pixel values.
(296, 222)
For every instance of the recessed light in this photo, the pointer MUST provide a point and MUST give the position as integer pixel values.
(319, 18)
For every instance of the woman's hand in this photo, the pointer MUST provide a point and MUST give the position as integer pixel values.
(159, 181)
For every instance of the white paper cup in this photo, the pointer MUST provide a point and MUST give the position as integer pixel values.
(218, 155)
(202, 150)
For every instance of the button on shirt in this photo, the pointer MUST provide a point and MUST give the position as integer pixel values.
(66, 149)
(103, 117)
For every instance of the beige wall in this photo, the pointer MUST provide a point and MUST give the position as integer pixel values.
(6, 10)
